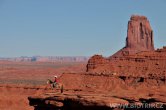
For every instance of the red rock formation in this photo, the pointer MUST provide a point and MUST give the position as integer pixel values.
(138, 57)
(96, 61)
(101, 92)
(139, 36)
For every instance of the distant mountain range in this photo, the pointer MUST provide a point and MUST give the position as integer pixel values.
(48, 59)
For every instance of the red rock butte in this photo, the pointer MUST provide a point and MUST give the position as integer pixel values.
(137, 57)
(139, 36)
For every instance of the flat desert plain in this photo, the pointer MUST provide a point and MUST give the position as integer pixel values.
(18, 80)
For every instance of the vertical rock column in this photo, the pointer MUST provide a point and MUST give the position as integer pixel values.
(139, 34)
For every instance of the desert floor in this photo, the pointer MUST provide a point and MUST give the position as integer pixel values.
(18, 80)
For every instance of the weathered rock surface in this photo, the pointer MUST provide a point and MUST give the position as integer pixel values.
(102, 92)
(142, 64)
(97, 62)
(138, 57)
(139, 36)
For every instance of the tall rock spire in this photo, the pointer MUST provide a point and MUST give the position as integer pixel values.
(139, 34)
(139, 37)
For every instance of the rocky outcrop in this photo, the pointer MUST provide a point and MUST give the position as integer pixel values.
(141, 64)
(96, 102)
(139, 40)
(102, 92)
(96, 61)
(139, 37)
(139, 34)
(74, 102)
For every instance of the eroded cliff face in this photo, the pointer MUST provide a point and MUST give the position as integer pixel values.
(139, 34)
(139, 39)
(141, 64)
(98, 60)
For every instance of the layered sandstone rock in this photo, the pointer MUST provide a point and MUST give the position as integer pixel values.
(96, 61)
(102, 92)
(139, 36)
(138, 57)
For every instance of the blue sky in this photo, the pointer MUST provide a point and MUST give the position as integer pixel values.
(73, 27)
